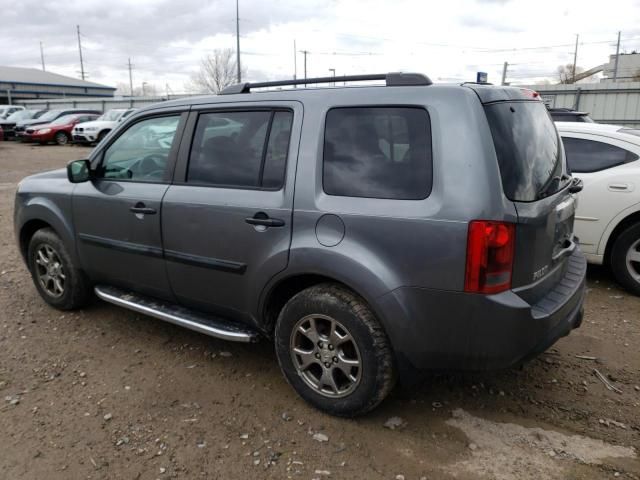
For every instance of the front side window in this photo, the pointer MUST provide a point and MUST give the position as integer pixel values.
(140, 153)
(584, 156)
(241, 149)
(378, 152)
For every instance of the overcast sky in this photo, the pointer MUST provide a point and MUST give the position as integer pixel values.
(448, 40)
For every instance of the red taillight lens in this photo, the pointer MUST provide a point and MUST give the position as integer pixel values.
(490, 249)
(531, 93)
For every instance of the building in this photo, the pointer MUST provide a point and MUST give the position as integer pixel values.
(18, 84)
(628, 68)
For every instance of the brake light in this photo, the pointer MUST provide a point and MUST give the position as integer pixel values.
(490, 250)
(530, 93)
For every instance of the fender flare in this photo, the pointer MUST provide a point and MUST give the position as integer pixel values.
(611, 226)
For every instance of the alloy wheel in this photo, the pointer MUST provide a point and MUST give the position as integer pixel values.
(49, 271)
(326, 356)
(633, 260)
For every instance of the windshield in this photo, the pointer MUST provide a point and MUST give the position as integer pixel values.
(64, 120)
(110, 116)
(20, 115)
(529, 152)
(50, 115)
(39, 113)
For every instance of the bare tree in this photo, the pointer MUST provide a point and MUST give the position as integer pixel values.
(565, 72)
(217, 71)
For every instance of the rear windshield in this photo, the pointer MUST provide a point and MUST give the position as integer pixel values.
(528, 149)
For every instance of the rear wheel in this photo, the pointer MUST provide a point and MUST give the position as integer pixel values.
(333, 351)
(58, 281)
(61, 138)
(102, 134)
(625, 258)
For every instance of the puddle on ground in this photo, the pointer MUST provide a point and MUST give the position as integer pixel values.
(504, 451)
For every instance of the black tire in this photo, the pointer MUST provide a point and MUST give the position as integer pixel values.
(61, 138)
(629, 238)
(76, 286)
(376, 374)
(101, 135)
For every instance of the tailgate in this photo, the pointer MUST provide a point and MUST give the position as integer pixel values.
(544, 240)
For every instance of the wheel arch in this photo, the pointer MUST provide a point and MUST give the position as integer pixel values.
(616, 227)
(40, 213)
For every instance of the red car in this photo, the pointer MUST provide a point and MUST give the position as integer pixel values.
(59, 130)
(1, 134)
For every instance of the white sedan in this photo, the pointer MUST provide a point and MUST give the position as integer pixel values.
(607, 220)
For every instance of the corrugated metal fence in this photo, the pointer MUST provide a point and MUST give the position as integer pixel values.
(607, 102)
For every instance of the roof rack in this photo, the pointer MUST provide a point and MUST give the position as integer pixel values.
(392, 80)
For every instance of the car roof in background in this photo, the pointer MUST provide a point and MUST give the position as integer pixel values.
(614, 131)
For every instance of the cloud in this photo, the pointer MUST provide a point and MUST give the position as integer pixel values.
(166, 39)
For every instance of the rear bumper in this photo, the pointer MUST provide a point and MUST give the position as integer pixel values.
(432, 329)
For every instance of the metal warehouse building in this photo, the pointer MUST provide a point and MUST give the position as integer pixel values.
(18, 83)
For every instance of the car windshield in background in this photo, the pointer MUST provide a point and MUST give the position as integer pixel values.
(50, 115)
(39, 114)
(20, 115)
(110, 116)
(528, 149)
(64, 120)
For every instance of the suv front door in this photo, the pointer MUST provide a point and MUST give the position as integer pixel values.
(117, 213)
(226, 219)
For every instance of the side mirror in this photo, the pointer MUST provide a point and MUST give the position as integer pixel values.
(79, 171)
(576, 185)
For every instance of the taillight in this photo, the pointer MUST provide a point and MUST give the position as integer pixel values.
(490, 250)
(531, 93)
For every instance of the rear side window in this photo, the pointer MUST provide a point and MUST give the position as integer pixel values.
(528, 149)
(378, 152)
(241, 149)
(584, 156)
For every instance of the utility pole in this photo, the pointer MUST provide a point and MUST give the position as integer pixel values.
(333, 72)
(504, 73)
(42, 56)
(575, 59)
(130, 79)
(305, 52)
(238, 42)
(615, 68)
(80, 50)
(295, 61)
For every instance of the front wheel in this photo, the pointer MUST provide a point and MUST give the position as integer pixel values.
(625, 259)
(61, 138)
(58, 281)
(333, 351)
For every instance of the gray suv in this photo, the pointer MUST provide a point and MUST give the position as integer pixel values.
(370, 231)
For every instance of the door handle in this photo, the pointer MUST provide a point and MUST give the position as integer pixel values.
(264, 220)
(619, 187)
(143, 209)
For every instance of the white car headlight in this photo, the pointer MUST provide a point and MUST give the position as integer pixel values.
(43, 131)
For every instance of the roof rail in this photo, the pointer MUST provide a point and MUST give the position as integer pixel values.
(392, 80)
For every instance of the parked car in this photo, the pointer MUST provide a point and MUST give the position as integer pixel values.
(95, 131)
(1, 133)
(48, 117)
(368, 231)
(569, 115)
(6, 110)
(605, 158)
(9, 123)
(58, 131)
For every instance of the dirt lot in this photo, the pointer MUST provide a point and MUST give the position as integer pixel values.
(107, 393)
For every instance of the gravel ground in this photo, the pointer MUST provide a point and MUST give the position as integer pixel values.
(107, 393)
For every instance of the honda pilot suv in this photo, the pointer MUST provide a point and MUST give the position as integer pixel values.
(370, 231)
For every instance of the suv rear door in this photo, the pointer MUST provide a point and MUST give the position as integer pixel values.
(534, 177)
(226, 219)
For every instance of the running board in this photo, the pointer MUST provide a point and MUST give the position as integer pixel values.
(212, 326)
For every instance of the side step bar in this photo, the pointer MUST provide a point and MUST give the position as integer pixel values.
(212, 326)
